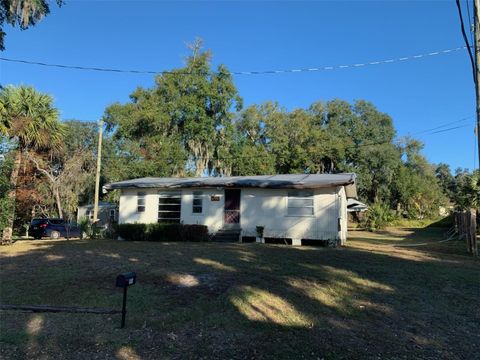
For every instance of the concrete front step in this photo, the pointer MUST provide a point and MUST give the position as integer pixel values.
(227, 235)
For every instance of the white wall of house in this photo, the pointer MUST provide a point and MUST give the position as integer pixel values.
(342, 214)
(258, 207)
(128, 206)
(269, 208)
(211, 216)
(212, 211)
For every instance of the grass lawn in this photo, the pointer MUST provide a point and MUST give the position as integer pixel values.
(243, 301)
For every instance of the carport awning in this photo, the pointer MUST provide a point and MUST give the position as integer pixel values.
(355, 205)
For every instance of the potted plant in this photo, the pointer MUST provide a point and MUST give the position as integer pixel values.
(260, 238)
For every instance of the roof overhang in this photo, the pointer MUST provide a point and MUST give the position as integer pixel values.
(288, 181)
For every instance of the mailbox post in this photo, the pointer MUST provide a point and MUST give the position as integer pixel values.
(124, 281)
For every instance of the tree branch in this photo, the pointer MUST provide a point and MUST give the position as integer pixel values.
(37, 166)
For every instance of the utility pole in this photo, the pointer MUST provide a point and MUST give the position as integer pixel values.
(99, 165)
(476, 46)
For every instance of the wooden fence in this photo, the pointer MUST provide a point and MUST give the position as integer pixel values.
(466, 224)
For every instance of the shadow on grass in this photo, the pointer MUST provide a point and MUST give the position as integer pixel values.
(197, 300)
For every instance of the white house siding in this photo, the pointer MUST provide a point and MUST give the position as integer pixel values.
(342, 215)
(128, 206)
(258, 207)
(211, 216)
(269, 208)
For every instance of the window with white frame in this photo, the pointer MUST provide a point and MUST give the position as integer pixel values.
(169, 207)
(300, 203)
(141, 201)
(197, 205)
(89, 214)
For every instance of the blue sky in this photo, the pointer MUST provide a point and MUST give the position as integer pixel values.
(151, 35)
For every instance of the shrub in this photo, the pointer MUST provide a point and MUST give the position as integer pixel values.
(195, 233)
(162, 232)
(260, 230)
(109, 232)
(6, 204)
(378, 216)
(84, 225)
(132, 232)
(88, 230)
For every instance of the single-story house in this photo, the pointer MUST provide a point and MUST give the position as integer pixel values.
(296, 206)
(107, 213)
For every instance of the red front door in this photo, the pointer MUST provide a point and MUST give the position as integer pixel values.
(232, 206)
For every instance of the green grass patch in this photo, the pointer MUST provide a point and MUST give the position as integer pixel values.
(440, 222)
(215, 300)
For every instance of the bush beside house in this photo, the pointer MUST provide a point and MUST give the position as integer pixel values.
(162, 232)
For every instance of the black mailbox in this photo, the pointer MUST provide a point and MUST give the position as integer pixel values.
(126, 279)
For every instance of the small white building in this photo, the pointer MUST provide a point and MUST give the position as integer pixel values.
(298, 207)
(107, 213)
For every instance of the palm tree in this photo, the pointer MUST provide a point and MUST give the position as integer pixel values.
(29, 119)
(25, 13)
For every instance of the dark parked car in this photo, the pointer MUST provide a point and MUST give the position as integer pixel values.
(53, 228)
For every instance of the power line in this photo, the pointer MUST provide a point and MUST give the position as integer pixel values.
(444, 125)
(262, 72)
(413, 134)
(345, 148)
(445, 130)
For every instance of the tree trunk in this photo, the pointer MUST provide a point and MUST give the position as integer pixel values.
(59, 203)
(8, 231)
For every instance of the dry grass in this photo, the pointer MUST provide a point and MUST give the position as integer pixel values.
(242, 301)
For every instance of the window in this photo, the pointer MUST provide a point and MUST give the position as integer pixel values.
(39, 221)
(89, 214)
(141, 201)
(56, 221)
(112, 215)
(300, 203)
(197, 207)
(169, 207)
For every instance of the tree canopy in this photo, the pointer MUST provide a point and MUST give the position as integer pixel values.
(180, 124)
(24, 13)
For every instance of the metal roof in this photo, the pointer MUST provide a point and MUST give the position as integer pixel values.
(288, 181)
(100, 204)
